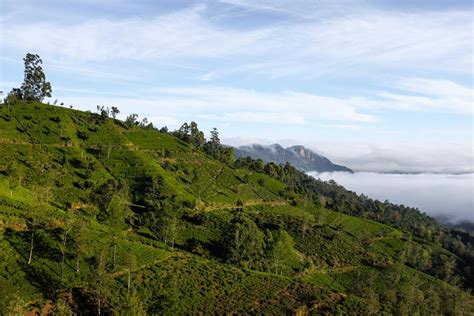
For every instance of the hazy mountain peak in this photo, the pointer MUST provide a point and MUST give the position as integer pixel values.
(276, 148)
(303, 152)
(299, 156)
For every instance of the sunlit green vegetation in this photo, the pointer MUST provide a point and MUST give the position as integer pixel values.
(88, 202)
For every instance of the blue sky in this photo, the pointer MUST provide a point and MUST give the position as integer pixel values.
(372, 84)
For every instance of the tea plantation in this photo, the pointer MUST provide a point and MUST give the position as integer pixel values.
(101, 216)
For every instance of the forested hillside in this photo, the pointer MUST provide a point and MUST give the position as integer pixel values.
(102, 216)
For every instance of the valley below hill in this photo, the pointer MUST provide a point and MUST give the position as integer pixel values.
(445, 196)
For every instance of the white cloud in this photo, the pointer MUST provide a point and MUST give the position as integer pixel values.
(291, 107)
(429, 94)
(382, 156)
(296, 8)
(436, 194)
(257, 117)
(223, 104)
(226, 105)
(403, 156)
(440, 87)
(347, 41)
(182, 34)
(419, 94)
(436, 94)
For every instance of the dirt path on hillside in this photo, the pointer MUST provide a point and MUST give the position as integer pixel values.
(273, 203)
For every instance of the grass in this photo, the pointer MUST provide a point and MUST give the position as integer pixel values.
(324, 280)
(18, 194)
(67, 155)
(388, 246)
(199, 285)
(359, 227)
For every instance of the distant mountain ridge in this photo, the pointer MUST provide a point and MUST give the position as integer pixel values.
(300, 157)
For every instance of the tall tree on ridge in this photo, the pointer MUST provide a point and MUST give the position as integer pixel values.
(34, 87)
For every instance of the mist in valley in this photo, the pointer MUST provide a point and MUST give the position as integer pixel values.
(450, 196)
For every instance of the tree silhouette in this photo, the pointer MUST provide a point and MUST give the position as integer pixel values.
(34, 87)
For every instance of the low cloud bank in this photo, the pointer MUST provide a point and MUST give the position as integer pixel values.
(384, 156)
(417, 156)
(439, 195)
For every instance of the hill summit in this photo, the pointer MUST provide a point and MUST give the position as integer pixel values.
(300, 157)
(100, 216)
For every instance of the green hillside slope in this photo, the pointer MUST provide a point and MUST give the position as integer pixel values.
(100, 216)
